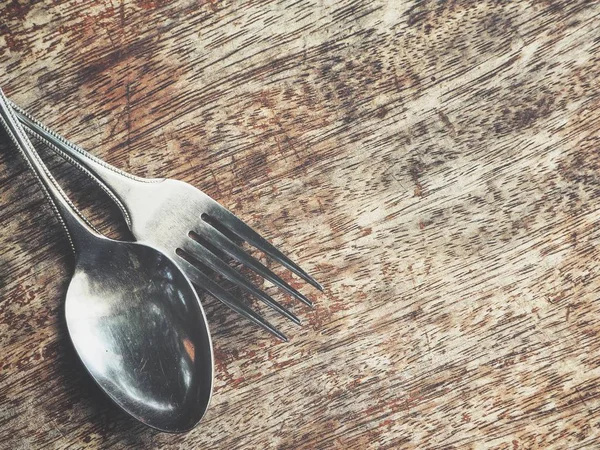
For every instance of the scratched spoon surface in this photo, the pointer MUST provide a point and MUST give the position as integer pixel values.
(134, 319)
(137, 325)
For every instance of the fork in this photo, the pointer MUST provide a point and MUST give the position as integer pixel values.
(187, 225)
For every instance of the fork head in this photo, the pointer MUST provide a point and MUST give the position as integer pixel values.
(199, 233)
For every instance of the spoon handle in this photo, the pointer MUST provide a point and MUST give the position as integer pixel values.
(122, 184)
(78, 229)
(74, 154)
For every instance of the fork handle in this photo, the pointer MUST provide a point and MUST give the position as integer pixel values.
(77, 228)
(118, 184)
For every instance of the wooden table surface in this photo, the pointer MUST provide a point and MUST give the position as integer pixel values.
(436, 165)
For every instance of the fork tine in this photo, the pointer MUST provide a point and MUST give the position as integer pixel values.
(231, 221)
(223, 243)
(201, 253)
(201, 280)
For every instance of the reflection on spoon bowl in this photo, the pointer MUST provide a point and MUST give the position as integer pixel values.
(138, 326)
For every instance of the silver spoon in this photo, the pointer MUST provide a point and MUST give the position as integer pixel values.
(134, 319)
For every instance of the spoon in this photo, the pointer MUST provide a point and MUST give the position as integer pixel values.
(134, 319)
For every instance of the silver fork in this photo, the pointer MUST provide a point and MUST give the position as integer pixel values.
(186, 224)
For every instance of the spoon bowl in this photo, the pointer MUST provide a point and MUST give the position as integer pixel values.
(136, 323)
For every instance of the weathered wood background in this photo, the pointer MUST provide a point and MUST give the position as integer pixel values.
(436, 164)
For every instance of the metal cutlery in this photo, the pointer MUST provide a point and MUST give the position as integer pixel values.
(133, 316)
(187, 225)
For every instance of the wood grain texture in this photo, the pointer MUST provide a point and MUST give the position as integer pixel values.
(435, 164)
